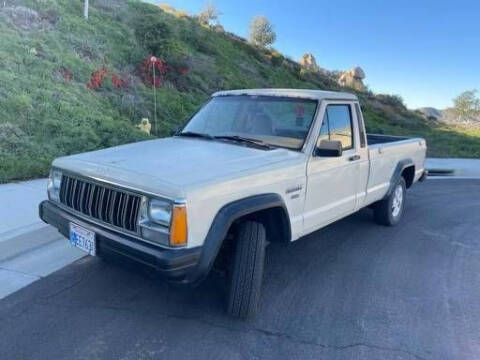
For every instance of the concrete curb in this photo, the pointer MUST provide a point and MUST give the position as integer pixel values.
(22, 230)
(452, 178)
(34, 254)
(441, 172)
(458, 168)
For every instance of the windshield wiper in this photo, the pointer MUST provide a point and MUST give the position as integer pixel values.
(236, 138)
(195, 134)
(244, 140)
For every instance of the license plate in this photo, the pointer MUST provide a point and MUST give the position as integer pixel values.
(82, 238)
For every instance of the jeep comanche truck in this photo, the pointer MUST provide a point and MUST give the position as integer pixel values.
(249, 168)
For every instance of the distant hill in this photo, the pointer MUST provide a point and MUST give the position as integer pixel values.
(449, 117)
(431, 112)
(69, 85)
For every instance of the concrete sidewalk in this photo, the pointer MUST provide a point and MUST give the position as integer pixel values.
(29, 248)
(21, 211)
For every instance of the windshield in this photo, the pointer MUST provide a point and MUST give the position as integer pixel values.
(276, 121)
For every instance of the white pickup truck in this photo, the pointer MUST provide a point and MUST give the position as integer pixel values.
(249, 168)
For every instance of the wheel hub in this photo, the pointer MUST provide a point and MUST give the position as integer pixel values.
(397, 200)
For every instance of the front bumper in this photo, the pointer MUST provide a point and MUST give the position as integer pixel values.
(176, 265)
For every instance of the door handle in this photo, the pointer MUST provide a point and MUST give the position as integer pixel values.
(354, 157)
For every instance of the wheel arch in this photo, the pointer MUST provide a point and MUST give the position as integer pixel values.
(265, 208)
(406, 169)
(408, 173)
(274, 219)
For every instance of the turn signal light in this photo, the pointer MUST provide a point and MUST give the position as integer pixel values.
(178, 227)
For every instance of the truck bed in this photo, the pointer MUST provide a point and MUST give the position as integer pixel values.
(386, 153)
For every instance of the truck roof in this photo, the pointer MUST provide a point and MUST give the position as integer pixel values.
(299, 93)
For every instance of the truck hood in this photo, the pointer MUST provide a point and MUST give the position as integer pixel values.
(172, 164)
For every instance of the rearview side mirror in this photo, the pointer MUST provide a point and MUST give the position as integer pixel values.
(329, 148)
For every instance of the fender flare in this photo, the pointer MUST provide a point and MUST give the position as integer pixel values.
(225, 217)
(397, 174)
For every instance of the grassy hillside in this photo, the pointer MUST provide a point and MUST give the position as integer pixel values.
(68, 85)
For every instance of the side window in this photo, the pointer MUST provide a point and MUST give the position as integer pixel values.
(337, 125)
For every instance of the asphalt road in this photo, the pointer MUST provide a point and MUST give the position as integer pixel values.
(354, 290)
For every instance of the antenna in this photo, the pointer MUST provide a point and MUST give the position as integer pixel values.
(153, 59)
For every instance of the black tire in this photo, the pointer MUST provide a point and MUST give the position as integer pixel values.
(384, 211)
(246, 270)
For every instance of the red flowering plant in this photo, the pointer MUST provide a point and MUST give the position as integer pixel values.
(98, 78)
(120, 82)
(154, 71)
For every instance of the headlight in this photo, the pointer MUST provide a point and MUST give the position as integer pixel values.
(160, 211)
(54, 183)
(164, 222)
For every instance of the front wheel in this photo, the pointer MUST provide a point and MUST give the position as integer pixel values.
(389, 211)
(246, 269)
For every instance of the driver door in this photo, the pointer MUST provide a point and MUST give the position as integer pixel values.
(331, 181)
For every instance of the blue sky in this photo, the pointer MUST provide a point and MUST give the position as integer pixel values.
(425, 51)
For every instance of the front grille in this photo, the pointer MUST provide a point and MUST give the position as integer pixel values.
(111, 206)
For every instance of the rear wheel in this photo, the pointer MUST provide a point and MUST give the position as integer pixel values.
(389, 211)
(246, 269)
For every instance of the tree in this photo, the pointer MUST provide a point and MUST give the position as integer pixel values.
(85, 9)
(209, 14)
(261, 31)
(467, 104)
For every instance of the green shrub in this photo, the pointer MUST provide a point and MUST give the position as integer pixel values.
(276, 58)
(153, 34)
(392, 100)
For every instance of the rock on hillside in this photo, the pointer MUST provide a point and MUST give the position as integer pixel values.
(308, 62)
(353, 78)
